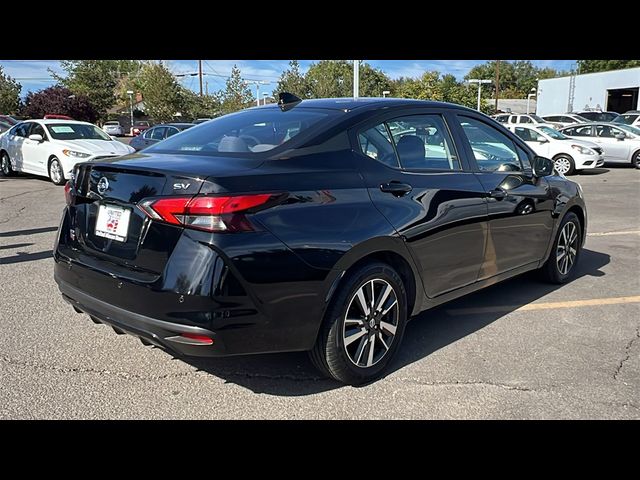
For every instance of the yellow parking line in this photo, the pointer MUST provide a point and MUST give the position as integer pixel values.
(602, 234)
(545, 306)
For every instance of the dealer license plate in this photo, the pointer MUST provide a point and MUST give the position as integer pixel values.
(113, 222)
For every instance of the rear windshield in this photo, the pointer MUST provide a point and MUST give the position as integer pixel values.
(247, 132)
(628, 119)
(76, 131)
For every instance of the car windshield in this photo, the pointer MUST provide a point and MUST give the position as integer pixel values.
(630, 129)
(247, 132)
(141, 124)
(537, 118)
(76, 131)
(628, 119)
(553, 133)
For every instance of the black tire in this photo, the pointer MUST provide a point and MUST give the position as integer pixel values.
(551, 270)
(564, 159)
(331, 356)
(5, 165)
(635, 160)
(56, 180)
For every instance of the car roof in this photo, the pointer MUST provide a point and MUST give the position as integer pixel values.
(365, 103)
(175, 124)
(611, 124)
(53, 121)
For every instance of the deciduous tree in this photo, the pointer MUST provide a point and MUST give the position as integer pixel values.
(60, 101)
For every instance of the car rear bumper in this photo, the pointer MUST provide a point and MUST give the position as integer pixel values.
(161, 333)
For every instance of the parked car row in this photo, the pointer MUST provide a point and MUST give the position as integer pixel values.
(51, 148)
(575, 141)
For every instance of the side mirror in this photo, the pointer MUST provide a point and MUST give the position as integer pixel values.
(543, 140)
(36, 137)
(542, 166)
(620, 136)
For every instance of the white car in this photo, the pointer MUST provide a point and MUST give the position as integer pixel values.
(51, 148)
(632, 118)
(528, 118)
(565, 119)
(569, 155)
(620, 142)
(113, 128)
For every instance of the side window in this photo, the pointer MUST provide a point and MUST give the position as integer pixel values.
(524, 133)
(581, 131)
(492, 149)
(147, 134)
(513, 119)
(423, 142)
(171, 131)
(158, 133)
(605, 131)
(554, 118)
(567, 120)
(22, 129)
(375, 143)
(524, 157)
(37, 129)
(524, 119)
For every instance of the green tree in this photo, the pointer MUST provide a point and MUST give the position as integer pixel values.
(292, 81)
(9, 94)
(516, 78)
(163, 96)
(96, 79)
(591, 66)
(334, 78)
(205, 106)
(237, 94)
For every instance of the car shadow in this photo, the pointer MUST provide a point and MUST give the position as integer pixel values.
(26, 257)
(594, 171)
(292, 374)
(29, 231)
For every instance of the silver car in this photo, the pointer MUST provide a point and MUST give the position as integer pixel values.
(113, 128)
(621, 143)
(565, 119)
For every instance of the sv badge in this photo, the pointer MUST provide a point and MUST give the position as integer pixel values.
(181, 186)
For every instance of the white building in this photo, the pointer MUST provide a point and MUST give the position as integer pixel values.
(615, 91)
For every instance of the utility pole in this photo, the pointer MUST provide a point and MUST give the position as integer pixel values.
(497, 82)
(479, 82)
(200, 74)
(206, 86)
(356, 78)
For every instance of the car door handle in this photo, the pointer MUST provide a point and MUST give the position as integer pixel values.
(396, 188)
(498, 193)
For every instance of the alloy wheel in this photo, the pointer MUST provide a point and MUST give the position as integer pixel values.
(567, 248)
(55, 171)
(563, 165)
(370, 323)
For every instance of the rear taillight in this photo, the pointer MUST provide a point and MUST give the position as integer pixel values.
(213, 214)
(68, 196)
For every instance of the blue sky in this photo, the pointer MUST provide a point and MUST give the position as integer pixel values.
(34, 74)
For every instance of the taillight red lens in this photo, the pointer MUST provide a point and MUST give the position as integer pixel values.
(214, 214)
(67, 193)
(203, 339)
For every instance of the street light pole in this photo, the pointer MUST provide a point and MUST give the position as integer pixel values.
(356, 78)
(479, 82)
(130, 93)
(264, 96)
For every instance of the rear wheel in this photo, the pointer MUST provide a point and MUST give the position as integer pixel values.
(635, 160)
(561, 264)
(564, 164)
(5, 165)
(363, 326)
(56, 174)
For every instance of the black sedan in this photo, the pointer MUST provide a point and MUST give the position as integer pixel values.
(157, 133)
(319, 225)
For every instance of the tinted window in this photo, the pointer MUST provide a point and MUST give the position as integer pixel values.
(580, 131)
(37, 129)
(492, 150)
(423, 142)
(148, 133)
(528, 135)
(253, 130)
(513, 119)
(628, 119)
(376, 143)
(171, 131)
(524, 119)
(21, 129)
(607, 131)
(524, 157)
(158, 133)
(555, 118)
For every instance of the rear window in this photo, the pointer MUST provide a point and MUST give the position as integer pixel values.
(247, 132)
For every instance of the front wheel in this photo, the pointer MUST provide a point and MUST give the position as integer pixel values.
(363, 326)
(561, 265)
(564, 164)
(5, 165)
(56, 174)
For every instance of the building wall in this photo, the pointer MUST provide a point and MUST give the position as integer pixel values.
(591, 90)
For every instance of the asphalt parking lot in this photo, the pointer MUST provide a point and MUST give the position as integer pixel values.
(520, 349)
